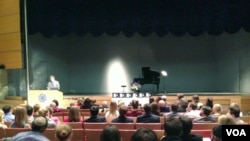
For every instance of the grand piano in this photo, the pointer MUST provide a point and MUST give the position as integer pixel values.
(149, 77)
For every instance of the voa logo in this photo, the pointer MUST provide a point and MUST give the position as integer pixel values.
(236, 132)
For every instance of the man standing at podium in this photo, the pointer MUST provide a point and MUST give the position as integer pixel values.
(53, 83)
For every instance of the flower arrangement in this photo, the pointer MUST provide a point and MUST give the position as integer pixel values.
(135, 87)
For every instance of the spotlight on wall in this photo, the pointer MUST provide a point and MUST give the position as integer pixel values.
(164, 73)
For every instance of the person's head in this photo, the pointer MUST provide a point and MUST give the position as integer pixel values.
(20, 116)
(56, 102)
(113, 107)
(187, 124)
(6, 109)
(217, 108)
(183, 103)
(234, 111)
(135, 104)
(226, 120)
(63, 132)
(196, 98)
(29, 110)
(74, 114)
(50, 111)
(174, 107)
(193, 106)
(147, 108)
(151, 99)
(209, 102)
(205, 111)
(173, 127)
(39, 124)
(143, 134)
(162, 103)
(94, 110)
(36, 107)
(217, 133)
(164, 98)
(110, 133)
(123, 110)
(52, 77)
(180, 96)
(104, 104)
(87, 103)
(154, 107)
(43, 112)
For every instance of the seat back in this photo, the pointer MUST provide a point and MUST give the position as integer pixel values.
(153, 126)
(130, 126)
(93, 134)
(159, 134)
(10, 132)
(78, 135)
(50, 134)
(204, 126)
(126, 134)
(2, 132)
(94, 125)
(75, 125)
(204, 133)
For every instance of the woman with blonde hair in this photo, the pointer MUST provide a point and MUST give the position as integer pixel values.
(63, 132)
(74, 115)
(21, 119)
(2, 125)
(113, 110)
(226, 120)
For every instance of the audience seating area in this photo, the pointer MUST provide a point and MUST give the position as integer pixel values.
(93, 134)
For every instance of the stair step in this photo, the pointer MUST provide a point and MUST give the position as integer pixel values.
(13, 101)
(15, 98)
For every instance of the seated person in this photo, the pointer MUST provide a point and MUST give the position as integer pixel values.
(122, 118)
(235, 113)
(74, 115)
(205, 115)
(187, 126)
(110, 133)
(144, 134)
(63, 132)
(94, 110)
(134, 112)
(173, 129)
(163, 106)
(173, 111)
(183, 104)
(217, 133)
(193, 111)
(148, 117)
(38, 126)
(8, 116)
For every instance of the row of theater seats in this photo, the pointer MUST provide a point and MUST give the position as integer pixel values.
(92, 134)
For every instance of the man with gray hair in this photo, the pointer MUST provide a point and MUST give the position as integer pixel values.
(38, 126)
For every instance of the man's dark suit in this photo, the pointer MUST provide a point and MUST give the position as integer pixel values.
(95, 119)
(148, 118)
(122, 119)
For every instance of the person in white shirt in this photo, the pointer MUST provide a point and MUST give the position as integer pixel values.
(192, 110)
(53, 83)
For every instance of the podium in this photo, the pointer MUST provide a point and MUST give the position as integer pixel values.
(44, 97)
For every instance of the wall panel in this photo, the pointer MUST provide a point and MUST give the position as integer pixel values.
(10, 36)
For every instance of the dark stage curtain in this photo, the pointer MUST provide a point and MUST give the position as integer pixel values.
(179, 17)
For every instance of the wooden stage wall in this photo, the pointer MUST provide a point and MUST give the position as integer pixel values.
(224, 100)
